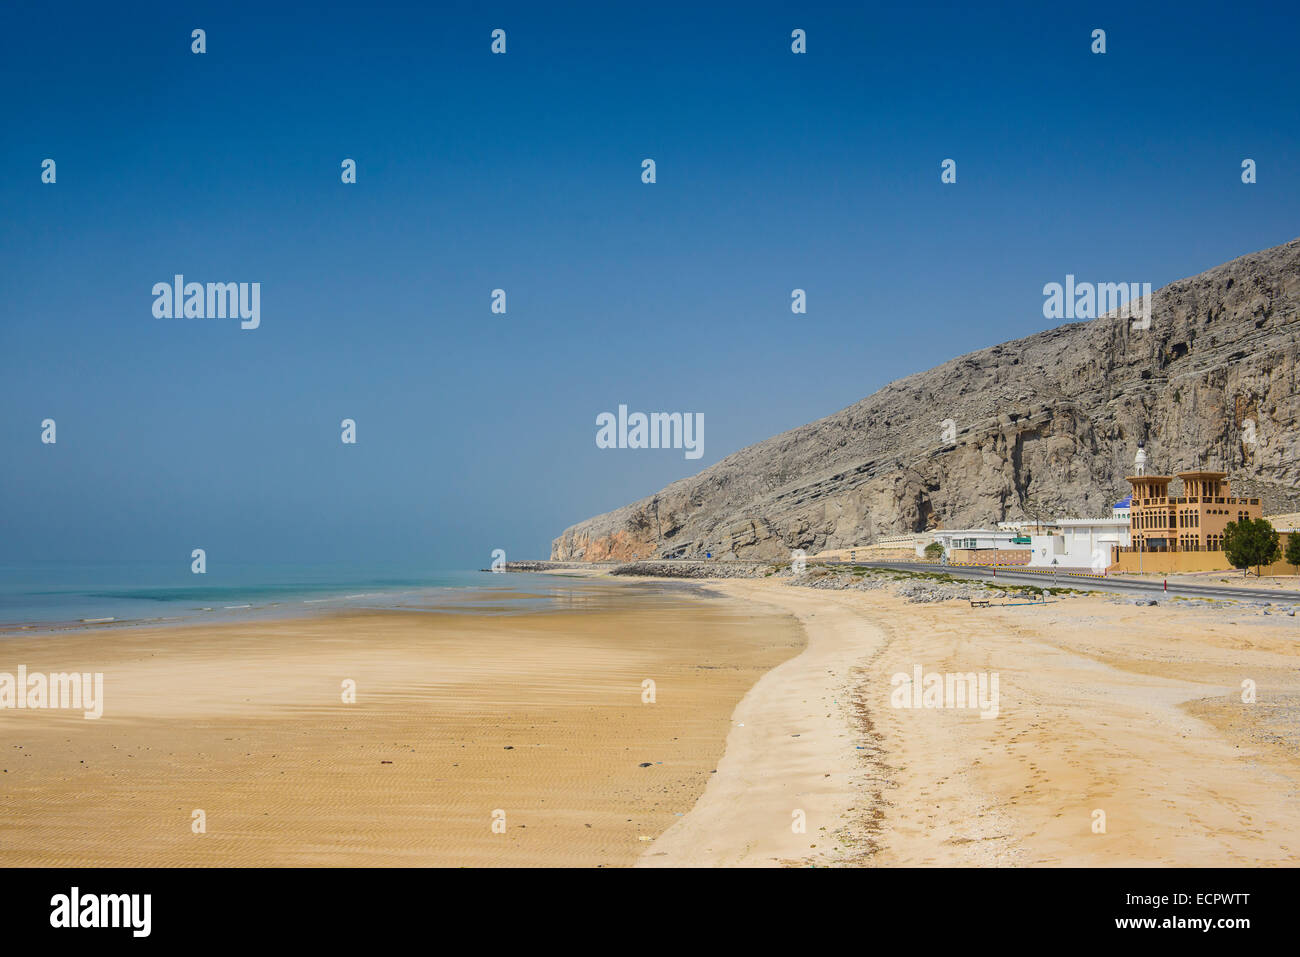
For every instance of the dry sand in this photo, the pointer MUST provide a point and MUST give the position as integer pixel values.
(457, 715)
(1135, 712)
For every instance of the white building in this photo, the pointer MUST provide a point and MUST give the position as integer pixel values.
(978, 538)
(1081, 543)
(1077, 543)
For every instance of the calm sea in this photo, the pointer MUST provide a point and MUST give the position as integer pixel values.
(56, 595)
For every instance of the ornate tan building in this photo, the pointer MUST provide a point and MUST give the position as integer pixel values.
(1192, 522)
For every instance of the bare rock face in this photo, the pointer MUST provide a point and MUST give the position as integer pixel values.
(1044, 426)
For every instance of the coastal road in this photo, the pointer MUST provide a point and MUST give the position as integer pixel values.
(1132, 586)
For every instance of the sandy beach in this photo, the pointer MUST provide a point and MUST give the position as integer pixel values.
(539, 715)
(771, 741)
(1134, 712)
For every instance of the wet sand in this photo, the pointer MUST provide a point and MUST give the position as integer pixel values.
(538, 715)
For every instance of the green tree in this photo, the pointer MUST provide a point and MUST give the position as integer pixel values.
(1251, 542)
(934, 551)
(1293, 550)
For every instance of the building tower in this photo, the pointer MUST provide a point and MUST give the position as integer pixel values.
(1192, 522)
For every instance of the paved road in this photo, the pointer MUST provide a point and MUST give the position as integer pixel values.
(1133, 586)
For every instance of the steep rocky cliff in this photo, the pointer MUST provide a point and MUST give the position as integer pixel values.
(1047, 424)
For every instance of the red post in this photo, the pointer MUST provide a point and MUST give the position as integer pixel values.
(1166, 584)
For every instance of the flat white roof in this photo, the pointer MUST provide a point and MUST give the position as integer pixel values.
(1092, 521)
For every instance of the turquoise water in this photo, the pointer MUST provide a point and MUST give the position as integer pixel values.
(62, 594)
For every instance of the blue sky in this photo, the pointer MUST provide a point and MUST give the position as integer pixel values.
(522, 172)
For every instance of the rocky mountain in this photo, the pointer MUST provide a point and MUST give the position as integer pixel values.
(1046, 425)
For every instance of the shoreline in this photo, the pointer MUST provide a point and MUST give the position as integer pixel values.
(290, 606)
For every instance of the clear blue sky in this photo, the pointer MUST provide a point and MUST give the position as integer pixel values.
(522, 171)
